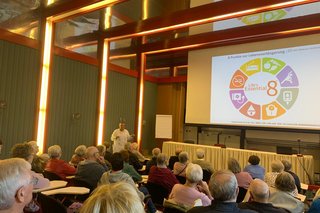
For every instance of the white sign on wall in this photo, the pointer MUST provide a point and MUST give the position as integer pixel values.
(164, 126)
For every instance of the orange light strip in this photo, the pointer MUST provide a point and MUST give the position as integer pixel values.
(212, 19)
(104, 72)
(44, 85)
(158, 69)
(122, 56)
(300, 30)
(140, 110)
(145, 9)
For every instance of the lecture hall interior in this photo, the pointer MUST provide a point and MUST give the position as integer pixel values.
(72, 69)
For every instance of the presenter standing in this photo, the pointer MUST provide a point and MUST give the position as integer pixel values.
(120, 137)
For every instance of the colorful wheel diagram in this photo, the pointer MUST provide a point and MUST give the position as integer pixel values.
(264, 88)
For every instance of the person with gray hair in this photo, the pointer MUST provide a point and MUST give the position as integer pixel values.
(205, 165)
(186, 194)
(153, 161)
(276, 168)
(161, 175)
(179, 168)
(79, 155)
(16, 185)
(259, 199)
(244, 178)
(287, 168)
(37, 163)
(284, 194)
(58, 166)
(224, 189)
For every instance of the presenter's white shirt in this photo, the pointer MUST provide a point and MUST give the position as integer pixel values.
(120, 142)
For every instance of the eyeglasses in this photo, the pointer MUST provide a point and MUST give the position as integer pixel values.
(34, 181)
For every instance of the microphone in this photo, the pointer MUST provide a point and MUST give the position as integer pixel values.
(299, 150)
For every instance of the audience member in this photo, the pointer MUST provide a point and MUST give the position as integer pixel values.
(254, 169)
(283, 195)
(194, 189)
(244, 178)
(102, 152)
(161, 175)
(114, 198)
(224, 189)
(153, 161)
(16, 184)
(134, 148)
(315, 205)
(58, 166)
(205, 165)
(287, 168)
(37, 163)
(129, 169)
(259, 199)
(91, 169)
(133, 159)
(175, 158)
(25, 151)
(79, 155)
(179, 168)
(108, 153)
(276, 168)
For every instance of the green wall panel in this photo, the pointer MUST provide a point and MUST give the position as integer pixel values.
(19, 74)
(149, 116)
(120, 103)
(73, 89)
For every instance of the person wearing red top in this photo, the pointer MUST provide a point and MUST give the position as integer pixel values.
(58, 166)
(161, 175)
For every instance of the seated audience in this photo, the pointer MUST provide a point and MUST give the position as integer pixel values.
(161, 175)
(254, 169)
(25, 151)
(102, 152)
(179, 168)
(205, 165)
(128, 169)
(244, 178)
(108, 153)
(194, 189)
(91, 169)
(175, 158)
(283, 195)
(259, 199)
(133, 159)
(58, 166)
(315, 205)
(114, 198)
(276, 168)
(287, 168)
(134, 148)
(37, 163)
(224, 189)
(153, 161)
(16, 184)
(79, 155)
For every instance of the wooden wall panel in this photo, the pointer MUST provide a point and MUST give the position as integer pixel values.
(19, 74)
(149, 116)
(73, 89)
(120, 103)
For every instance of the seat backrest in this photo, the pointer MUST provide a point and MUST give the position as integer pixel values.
(157, 192)
(241, 195)
(206, 175)
(50, 205)
(181, 179)
(51, 175)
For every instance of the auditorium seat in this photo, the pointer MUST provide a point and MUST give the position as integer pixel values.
(158, 193)
(50, 205)
(241, 195)
(51, 175)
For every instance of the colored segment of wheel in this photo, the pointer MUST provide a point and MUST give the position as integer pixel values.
(264, 88)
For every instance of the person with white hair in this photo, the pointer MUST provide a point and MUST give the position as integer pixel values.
(276, 168)
(79, 155)
(186, 194)
(58, 166)
(224, 189)
(25, 151)
(153, 161)
(134, 148)
(287, 168)
(205, 165)
(16, 184)
(120, 137)
(37, 163)
(118, 197)
(259, 199)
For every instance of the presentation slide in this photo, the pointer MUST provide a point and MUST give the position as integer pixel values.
(272, 88)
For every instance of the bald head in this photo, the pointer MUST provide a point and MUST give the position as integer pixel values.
(92, 153)
(259, 191)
